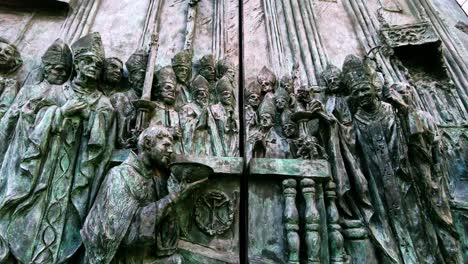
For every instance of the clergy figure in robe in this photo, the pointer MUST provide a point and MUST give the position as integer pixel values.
(225, 117)
(182, 66)
(200, 133)
(396, 224)
(121, 99)
(133, 218)
(65, 159)
(423, 140)
(265, 142)
(340, 147)
(164, 95)
(10, 62)
(18, 122)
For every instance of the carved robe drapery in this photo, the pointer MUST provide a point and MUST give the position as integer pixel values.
(64, 162)
(424, 153)
(268, 145)
(228, 125)
(200, 133)
(15, 127)
(169, 118)
(8, 91)
(184, 96)
(128, 222)
(13, 116)
(396, 224)
(122, 102)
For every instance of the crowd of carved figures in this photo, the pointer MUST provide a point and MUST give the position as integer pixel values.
(385, 156)
(58, 133)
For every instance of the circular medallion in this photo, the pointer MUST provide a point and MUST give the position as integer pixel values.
(214, 213)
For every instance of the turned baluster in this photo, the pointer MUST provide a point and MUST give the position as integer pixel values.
(335, 237)
(291, 220)
(312, 221)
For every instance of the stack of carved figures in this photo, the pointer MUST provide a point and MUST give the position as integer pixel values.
(57, 191)
(387, 200)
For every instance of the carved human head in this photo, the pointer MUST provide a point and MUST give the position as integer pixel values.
(225, 68)
(57, 62)
(10, 58)
(355, 77)
(207, 68)
(281, 99)
(253, 94)
(136, 66)
(155, 144)
(165, 89)
(267, 112)
(89, 56)
(225, 92)
(290, 128)
(182, 65)
(200, 90)
(304, 94)
(267, 80)
(332, 78)
(113, 70)
(287, 84)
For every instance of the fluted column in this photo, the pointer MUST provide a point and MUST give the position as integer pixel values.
(312, 221)
(335, 237)
(291, 220)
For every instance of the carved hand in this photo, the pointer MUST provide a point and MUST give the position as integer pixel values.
(397, 101)
(315, 106)
(73, 107)
(186, 189)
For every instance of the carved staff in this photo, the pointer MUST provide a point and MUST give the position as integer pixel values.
(191, 22)
(145, 105)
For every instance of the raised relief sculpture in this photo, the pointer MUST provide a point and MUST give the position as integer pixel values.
(164, 113)
(63, 162)
(15, 127)
(182, 65)
(200, 131)
(103, 161)
(398, 223)
(136, 66)
(214, 212)
(133, 218)
(10, 62)
(122, 100)
(225, 116)
(423, 140)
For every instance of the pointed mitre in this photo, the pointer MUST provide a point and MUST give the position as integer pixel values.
(58, 53)
(137, 61)
(354, 72)
(267, 107)
(330, 72)
(200, 83)
(90, 44)
(183, 58)
(165, 74)
(266, 75)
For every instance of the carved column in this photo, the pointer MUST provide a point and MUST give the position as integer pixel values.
(291, 220)
(334, 229)
(357, 243)
(312, 220)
